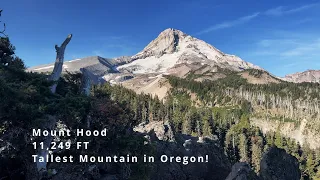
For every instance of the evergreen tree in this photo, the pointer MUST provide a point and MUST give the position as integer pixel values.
(243, 148)
(311, 164)
(187, 126)
(256, 149)
(278, 139)
(144, 113)
(207, 123)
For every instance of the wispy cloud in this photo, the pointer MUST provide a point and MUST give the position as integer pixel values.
(278, 11)
(308, 48)
(228, 24)
(281, 10)
(287, 54)
(303, 21)
(290, 47)
(272, 42)
(292, 52)
(290, 65)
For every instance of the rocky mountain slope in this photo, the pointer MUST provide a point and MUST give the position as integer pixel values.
(306, 76)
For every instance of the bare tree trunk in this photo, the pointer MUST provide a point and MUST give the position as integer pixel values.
(52, 120)
(2, 32)
(55, 75)
(86, 82)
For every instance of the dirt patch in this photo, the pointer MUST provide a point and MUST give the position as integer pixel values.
(154, 85)
(263, 79)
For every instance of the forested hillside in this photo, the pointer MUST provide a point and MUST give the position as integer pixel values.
(225, 107)
(297, 103)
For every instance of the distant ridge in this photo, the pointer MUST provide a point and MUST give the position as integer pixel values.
(306, 76)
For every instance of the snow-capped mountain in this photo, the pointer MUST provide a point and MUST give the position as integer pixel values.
(172, 52)
(174, 47)
(306, 76)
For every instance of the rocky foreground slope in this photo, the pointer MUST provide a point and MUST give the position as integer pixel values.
(275, 164)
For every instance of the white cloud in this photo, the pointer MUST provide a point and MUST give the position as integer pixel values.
(307, 49)
(283, 55)
(300, 47)
(273, 42)
(281, 10)
(278, 11)
(228, 24)
(275, 11)
(302, 21)
(298, 51)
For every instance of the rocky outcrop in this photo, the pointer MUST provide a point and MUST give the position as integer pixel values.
(165, 43)
(306, 76)
(158, 130)
(277, 164)
(173, 145)
(166, 143)
(241, 171)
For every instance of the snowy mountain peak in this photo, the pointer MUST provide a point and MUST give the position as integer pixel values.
(171, 31)
(173, 47)
(165, 43)
(171, 52)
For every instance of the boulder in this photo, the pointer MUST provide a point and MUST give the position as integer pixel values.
(241, 171)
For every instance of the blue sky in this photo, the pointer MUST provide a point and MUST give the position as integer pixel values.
(281, 36)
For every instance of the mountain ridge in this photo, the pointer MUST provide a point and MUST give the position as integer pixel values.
(305, 76)
(171, 52)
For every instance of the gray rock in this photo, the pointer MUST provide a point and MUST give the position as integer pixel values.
(240, 171)
(173, 145)
(160, 130)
